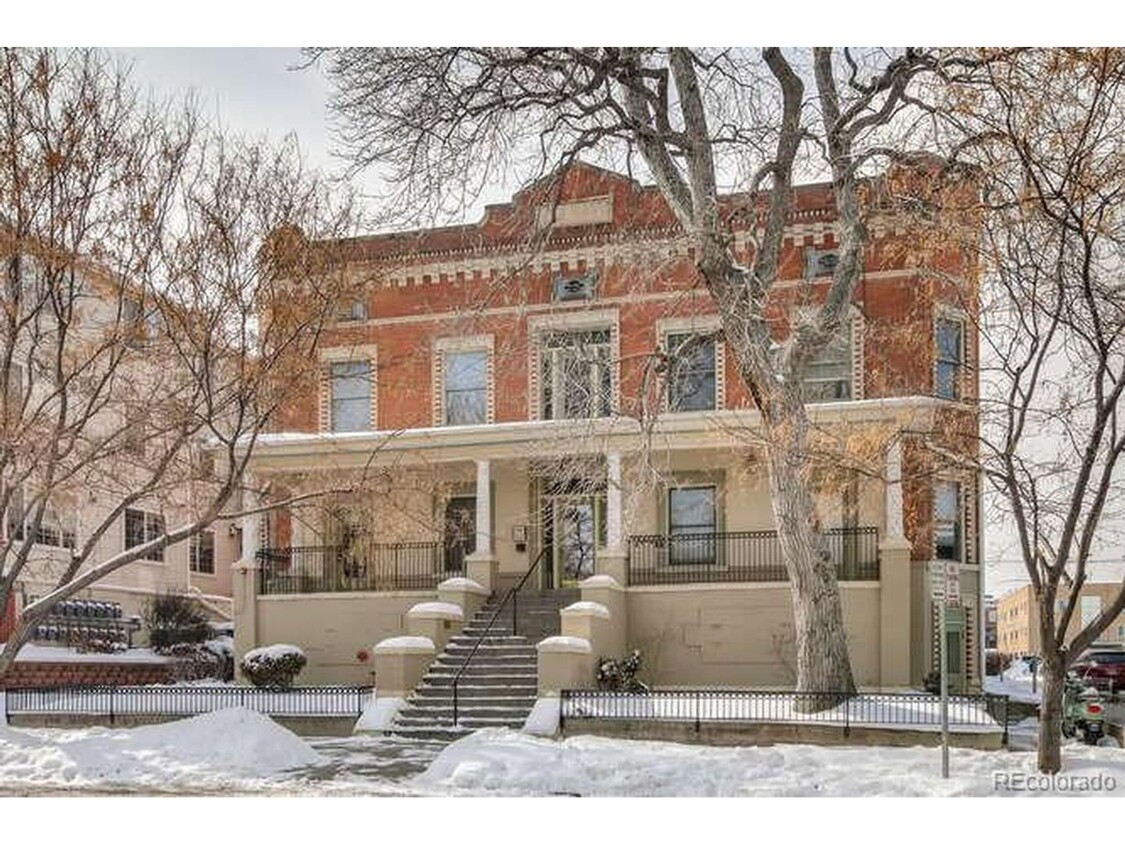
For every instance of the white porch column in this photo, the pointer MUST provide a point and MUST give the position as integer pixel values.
(893, 490)
(484, 509)
(613, 537)
(251, 524)
(482, 566)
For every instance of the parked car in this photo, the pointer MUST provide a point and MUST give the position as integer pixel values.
(1102, 669)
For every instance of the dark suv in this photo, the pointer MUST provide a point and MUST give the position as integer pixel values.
(1104, 670)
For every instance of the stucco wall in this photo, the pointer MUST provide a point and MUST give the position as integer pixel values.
(332, 628)
(738, 634)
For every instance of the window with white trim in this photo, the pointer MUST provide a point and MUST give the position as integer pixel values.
(576, 376)
(201, 553)
(141, 527)
(465, 387)
(948, 521)
(691, 376)
(828, 376)
(949, 357)
(350, 391)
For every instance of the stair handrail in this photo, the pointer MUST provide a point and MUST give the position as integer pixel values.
(510, 595)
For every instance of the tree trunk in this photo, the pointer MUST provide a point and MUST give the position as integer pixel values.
(1050, 714)
(823, 664)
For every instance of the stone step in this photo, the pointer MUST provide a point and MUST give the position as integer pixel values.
(444, 714)
(462, 721)
(469, 689)
(443, 700)
(512, 681)
(444, 733)
(485, 666)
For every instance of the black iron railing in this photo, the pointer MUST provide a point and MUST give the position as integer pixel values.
(510, 596)
(115, 701)
(361, 567)
(882, 709)
(743, 556)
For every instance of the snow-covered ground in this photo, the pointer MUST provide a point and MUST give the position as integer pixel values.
(238, 751)
(913, 713)
(1015, 682)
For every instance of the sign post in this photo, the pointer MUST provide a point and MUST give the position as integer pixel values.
(945, 585)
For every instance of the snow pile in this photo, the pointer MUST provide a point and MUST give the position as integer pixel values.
(208, 750)
(502, 761)
(48, 653)
(378, 714)
(543, 720)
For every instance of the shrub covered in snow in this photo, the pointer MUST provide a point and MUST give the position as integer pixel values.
(173, 619)
(274, 666)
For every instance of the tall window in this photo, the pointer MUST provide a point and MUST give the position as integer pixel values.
(466, 388)
(947, 521)
(351, 396)
(949, 339)
(202, 553)
(691, 381)
(829, 374)
(577, 381)
(1090, 607)
(142, 527)
(692, 522)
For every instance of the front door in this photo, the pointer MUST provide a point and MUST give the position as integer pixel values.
(460, 531)
(575, 538)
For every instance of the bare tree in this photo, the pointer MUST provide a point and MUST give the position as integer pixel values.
(1046, 129)
(441, 123)
(139, 253)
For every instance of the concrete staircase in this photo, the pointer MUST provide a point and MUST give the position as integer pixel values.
(498, 689)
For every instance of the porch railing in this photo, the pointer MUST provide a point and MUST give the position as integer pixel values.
(374, 567)
(752, 556)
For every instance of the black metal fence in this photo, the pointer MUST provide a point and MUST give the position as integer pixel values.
(743, 556)
(361, 567)
(882, 709)
(115, 701)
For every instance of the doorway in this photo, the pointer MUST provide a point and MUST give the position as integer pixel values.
(460, 532)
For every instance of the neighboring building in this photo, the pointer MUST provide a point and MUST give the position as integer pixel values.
(991, 617)
(1018, 617)
(529, 392)
(199, 568)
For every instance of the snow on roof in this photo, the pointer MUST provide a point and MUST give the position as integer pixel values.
(405, 644)
(46, 653)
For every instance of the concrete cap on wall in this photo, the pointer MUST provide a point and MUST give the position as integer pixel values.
(586, 608)
(603, 581)
(461, 584)
(564, 645)
(436, 609)
(405, 645)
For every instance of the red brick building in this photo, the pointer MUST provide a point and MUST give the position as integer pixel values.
(550, 386)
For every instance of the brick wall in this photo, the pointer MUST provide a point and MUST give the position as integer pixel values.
(26, 675)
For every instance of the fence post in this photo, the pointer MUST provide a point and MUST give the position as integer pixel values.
(847, 715)
(112, 696)
(564, 694)
(698, 701)
(1004, 739)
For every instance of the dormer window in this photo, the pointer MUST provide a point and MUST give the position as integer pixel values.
(575, 288)
(354, 311)
(820, 262)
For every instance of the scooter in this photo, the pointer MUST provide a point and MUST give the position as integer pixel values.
(1083, 711)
